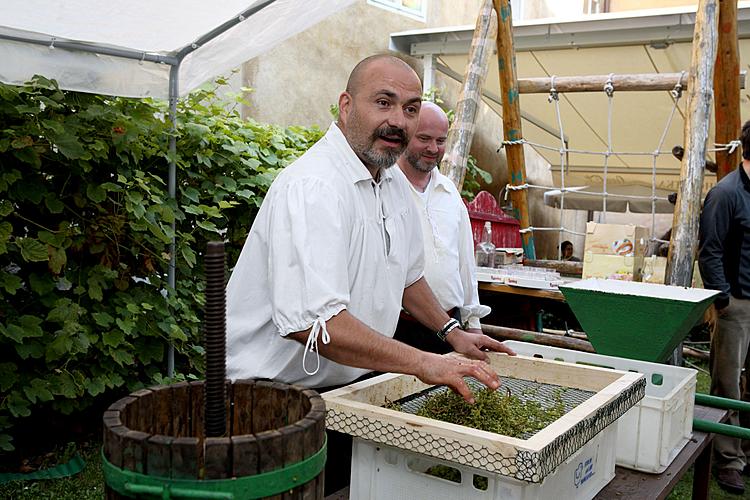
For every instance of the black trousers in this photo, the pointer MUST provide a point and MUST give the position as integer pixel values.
(338, 465)
(338, 469)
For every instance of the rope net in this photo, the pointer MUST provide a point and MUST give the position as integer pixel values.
(564, 150)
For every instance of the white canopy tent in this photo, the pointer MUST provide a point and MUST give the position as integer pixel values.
(141, 48)
(128, 49)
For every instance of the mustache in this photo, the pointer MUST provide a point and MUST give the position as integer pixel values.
(391, 131)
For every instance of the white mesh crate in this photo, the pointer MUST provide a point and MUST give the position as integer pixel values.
(654, 431)
(381, 472)
(594, 399)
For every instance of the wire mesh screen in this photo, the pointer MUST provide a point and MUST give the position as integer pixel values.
(526, 465)
(547, 395)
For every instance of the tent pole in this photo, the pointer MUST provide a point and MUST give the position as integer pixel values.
(684, 243)
(461, 132)
(172, 186)
(506, 62)
(93, 48)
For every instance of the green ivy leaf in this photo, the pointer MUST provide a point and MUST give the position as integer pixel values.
(57, 259)
(5, 442)
(30, 349)
(191, 194)
(8, 376)
(113, 338)
(96, 193)
(65, 310)
(69, 145)
(177, 333)
(10, 282)
(27, 327)
(126, 325)
(122, 357)
(102, 319)
(53, 203)
(59, 347)
(95, 386)
(189, 255)
(22, 142)
(193, 209)
(64, 385)
(6, 207)
(207, 225)
(41, 284)
(38, 390)
(18, 405)
(32, 250)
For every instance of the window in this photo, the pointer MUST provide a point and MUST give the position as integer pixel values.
(416, 9)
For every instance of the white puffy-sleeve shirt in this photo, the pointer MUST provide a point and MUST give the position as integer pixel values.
(326, 238)
(450, 269)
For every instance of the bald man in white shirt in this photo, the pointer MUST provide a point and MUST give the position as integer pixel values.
(336, 251)
(446, 230)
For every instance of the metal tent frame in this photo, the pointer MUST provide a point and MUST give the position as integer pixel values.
(174, 60)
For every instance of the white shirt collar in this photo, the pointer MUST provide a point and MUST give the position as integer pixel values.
(355, 169)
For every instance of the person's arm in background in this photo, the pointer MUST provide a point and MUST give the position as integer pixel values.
(714, 228)
(471, 310)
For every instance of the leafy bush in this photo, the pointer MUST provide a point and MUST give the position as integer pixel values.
(85, 229)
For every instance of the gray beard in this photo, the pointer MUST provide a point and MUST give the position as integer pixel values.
(380, 160)
(419, 165)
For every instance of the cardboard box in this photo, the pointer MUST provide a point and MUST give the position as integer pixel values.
(614, 251)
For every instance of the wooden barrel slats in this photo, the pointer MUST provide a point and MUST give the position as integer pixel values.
(159, 432)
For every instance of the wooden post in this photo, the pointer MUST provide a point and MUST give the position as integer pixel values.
(684, 243)
(462, 128)
(506, 62)
(726, 88)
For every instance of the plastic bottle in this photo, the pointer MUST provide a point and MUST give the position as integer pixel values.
(485, 251)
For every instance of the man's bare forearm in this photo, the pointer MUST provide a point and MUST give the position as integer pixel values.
(421, 303)
(355, 344)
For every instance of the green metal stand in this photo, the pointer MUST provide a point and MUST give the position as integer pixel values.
(724, 403)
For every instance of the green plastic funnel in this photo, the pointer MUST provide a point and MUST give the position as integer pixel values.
(644, 321)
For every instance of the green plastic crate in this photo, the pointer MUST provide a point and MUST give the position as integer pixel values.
(628, 319)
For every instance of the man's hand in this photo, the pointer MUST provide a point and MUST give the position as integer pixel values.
(474, 344)
(450, 371)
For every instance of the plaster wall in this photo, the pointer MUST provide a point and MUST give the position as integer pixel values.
(621, 5)
(298, 81)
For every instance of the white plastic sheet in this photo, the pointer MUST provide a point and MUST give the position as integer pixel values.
(160, 27)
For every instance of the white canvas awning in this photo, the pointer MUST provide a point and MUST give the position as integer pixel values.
(132, 45)
(654, 41)
(620, 198)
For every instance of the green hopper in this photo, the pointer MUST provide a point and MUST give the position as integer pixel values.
(628, 319)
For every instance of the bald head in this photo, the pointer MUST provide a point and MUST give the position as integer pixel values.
(361, 71)
(432, 114)
(427, 147)
(378, 112)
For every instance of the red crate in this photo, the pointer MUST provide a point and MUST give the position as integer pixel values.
(506, 231)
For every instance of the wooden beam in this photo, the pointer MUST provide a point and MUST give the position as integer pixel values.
(727, 89)
(684, 242)
(622, 83)
(503, 333)
(461, 132)
(561, 266)
(506, 62)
